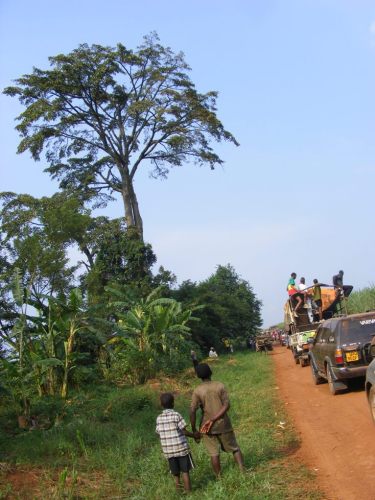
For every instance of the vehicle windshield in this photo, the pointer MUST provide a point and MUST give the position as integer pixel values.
(357, 330)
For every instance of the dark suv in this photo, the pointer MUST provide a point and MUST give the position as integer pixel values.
(341, 350)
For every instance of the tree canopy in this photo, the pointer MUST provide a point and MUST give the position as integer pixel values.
(102, 112)
(231, 309)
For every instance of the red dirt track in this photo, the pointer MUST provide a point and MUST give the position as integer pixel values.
(337, 432)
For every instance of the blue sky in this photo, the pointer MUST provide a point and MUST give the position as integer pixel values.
(296, 83)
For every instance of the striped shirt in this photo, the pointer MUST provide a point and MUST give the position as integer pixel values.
(170, 426)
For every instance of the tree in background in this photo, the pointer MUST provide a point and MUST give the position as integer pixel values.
(231, 309)
(37, 235)
(100, 113)
(55, 334)
(120, 258)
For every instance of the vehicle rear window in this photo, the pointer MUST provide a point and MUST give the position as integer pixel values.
(357, 330)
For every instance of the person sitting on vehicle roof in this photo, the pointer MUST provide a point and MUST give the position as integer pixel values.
(302, 287)
(302, 284)
(296, 297)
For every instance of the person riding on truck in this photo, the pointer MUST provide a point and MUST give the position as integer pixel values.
(317, 298)
(338, 283)
(296, 297)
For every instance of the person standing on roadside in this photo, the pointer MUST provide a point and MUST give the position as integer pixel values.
(212, 353)
(172, 431)
(216, 430)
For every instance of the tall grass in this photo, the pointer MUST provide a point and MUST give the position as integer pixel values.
(111, 432)
(362, 300)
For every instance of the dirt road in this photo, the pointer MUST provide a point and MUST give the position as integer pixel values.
(337, 433)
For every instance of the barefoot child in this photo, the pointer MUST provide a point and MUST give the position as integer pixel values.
(171, 428)
(212, 399)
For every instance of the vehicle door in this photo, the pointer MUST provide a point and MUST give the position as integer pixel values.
(331, 343)
(317, 347)
(323, 347)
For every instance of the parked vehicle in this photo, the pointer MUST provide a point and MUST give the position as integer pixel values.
(341, 350)
(263, 343)
(283, 339)
(370, 380)
(300, 343)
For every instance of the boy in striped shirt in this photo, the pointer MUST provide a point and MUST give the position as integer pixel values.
(171, 428)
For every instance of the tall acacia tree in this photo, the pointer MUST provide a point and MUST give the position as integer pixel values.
(101, 112)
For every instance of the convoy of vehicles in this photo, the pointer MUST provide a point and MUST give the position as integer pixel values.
(339, 348)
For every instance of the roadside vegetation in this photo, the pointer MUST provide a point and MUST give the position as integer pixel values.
(87, 345)
(106, 444)
(362, 300)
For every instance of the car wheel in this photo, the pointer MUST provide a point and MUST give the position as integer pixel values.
(316, 378)
(371, 402)
(331, 382)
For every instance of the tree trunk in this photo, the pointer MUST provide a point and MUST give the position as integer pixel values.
(136, 212)
(87, 252)
(132, 215)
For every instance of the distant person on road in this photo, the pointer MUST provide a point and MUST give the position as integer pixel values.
(295, 295)
(317, 298)
(217, 431)
(171, 428)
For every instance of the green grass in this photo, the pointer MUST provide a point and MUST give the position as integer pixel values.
(362, 300)
(107, 446)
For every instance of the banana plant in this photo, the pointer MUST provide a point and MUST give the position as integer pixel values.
(73, 318)
(154, 327)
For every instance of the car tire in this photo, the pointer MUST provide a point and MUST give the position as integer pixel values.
(371, 402)
(317, 379)
(331, 383)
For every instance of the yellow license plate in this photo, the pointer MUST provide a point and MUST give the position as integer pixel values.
(352, 356)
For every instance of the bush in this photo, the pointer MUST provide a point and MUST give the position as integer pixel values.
(85, 375)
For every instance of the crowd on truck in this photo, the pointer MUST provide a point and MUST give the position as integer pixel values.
(339, 347)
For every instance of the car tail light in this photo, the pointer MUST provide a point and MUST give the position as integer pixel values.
(339, 357)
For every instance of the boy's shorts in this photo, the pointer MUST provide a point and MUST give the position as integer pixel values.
(215, 442)
(180, 464)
